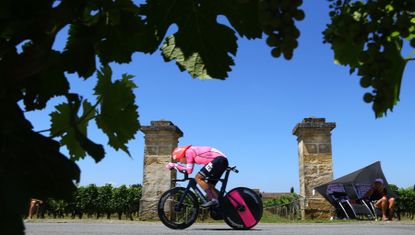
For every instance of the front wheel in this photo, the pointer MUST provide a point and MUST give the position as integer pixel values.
(175, 215)
(242, 208)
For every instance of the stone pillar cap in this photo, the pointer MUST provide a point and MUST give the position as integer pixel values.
(313, 122)
(162, 125)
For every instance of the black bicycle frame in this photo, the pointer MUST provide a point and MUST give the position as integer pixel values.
(193, 185)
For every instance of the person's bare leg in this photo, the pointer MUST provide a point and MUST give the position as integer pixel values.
(31, 208)
(391, 207)
(382, 204)
(214, 191)
(201, 181)
(209, 188)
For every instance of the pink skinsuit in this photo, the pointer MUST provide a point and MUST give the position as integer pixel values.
(199, 155)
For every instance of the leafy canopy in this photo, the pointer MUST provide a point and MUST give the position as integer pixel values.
(368, 37)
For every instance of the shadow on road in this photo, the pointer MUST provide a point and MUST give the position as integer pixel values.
(227, 229)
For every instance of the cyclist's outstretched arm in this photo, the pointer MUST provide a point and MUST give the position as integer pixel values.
(188, 168)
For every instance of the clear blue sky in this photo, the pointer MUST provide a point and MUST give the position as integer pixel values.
(250, 116)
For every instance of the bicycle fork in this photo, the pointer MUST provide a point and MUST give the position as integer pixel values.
(192, 184)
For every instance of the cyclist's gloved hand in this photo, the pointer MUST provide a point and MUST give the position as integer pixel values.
(170, 165)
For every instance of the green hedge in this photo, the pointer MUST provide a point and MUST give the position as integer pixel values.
(96, 201)
(282, 200)
(405, 203)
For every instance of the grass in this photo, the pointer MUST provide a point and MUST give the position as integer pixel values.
(268, 217)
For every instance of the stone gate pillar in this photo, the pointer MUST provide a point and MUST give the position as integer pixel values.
(161, 137)
(315, 164)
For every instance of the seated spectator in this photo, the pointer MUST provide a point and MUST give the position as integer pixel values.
(384, 202)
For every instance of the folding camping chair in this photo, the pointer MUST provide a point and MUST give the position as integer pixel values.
(338, 195)
(361, 190)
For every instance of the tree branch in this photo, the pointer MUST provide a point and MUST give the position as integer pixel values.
(41, 131)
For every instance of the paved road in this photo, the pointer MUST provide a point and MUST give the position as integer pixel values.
(134, 228)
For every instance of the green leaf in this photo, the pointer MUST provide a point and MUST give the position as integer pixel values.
(50, 82)
(193, 63)
(345, 43)
(94, 150)
(73, 130)
(118, 117)
(243, 16)
(79, 52)
(346, 52)
(388, 95)
(206, 54)
(159, 15)
(76, 152)
(125, 32)
(60, 119)
(201, 46)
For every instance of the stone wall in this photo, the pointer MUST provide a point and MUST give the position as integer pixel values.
(161, 137)
(315, 164)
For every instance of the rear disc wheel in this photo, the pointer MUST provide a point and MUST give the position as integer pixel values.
(243, 214)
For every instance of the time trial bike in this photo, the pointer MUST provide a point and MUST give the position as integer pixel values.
(240, 208)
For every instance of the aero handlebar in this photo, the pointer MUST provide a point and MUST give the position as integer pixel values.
(186, 175)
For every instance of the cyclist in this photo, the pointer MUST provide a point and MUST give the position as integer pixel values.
(215, 164)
